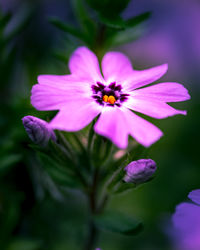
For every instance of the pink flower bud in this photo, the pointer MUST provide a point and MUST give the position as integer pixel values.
(38, 130)
(139, 171)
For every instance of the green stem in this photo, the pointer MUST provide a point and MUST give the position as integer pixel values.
(92, 199)
(103, 203)
(93, 233)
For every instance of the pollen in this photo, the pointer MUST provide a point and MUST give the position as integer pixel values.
(105, 98)
(111, 99)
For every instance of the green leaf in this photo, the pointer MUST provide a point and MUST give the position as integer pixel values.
(123, 187)
(25, 244)
(7, 64)
(90, 136)
(137, 19)
(60, 174)
(108, 7)
(116, 22)
(9, 217)
(4, 20)
(66, 28)
(124, 36)
(137, 153)
(8, 161)
(116, 178)
(113, 22)
(83, 16)
(61, 57)
(118, 223)
(122, 31)
(21, 21)
(97, 146)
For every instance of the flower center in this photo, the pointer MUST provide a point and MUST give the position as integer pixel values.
(110, 95)
(111, 99)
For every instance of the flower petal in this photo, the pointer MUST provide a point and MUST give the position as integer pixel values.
(186, 221)
(84, 63)
(75, 116)
(54, 92)
(167, 92)
(112, 125)
(151, 107)
(143, 131)
(116, 66)
(52, 80)
(141, 78)
(186, 218)
(64, 81)
(195, 196)
(117, 124)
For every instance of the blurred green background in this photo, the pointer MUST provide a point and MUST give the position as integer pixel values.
(34, 215)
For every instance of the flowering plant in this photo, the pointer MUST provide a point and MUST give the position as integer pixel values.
(84, 95)
(92, 160)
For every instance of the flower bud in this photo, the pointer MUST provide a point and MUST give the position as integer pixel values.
(139, 171)
(38, 130)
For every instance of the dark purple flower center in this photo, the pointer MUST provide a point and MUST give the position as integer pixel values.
(110, 95)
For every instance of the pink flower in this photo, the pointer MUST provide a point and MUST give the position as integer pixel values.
(186, 222)
(85, 94)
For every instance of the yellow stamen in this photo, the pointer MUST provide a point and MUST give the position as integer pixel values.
(111, 99)
(105, 98)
